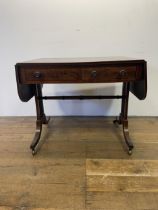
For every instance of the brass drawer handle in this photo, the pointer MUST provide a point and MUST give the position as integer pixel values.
(37, 75)
(93, 74)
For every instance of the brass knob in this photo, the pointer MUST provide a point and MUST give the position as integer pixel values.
(93, 74)
(37, 75)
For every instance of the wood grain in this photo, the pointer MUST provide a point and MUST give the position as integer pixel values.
(81, 165)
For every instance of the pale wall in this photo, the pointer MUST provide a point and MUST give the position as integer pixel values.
(68, 28)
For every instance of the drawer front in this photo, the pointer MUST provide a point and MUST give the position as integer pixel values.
(39, 75)
(111, 74)
(49, 75)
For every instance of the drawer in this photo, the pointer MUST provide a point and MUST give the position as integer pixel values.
(78, 74)
(49, 75)
(111, 74)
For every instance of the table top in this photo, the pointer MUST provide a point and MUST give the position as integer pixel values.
(81, 60)
(56, 71)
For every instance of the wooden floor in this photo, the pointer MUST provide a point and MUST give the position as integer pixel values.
(82, 165)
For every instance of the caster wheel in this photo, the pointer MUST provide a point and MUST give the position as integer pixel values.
(130, 152)
(33, 152)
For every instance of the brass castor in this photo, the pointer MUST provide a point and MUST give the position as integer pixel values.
(33, 152)
(130, 152)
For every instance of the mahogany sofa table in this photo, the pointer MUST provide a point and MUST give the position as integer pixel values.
(31, 76)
